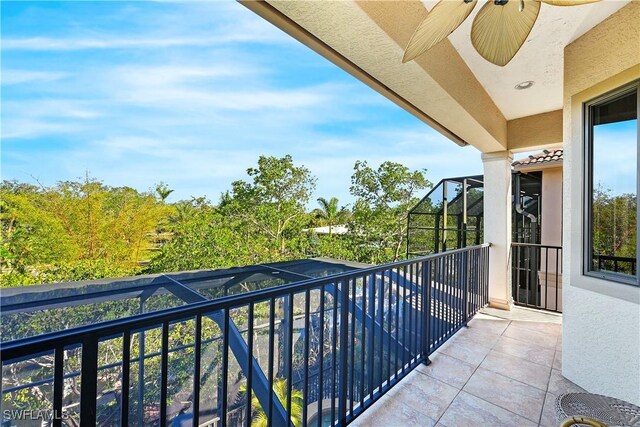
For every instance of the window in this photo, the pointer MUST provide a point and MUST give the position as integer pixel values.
(611, 184)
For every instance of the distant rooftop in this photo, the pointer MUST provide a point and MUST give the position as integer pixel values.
(331, 229)
(545, 157)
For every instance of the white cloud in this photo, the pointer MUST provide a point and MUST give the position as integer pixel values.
(70, 44)
(12, 77)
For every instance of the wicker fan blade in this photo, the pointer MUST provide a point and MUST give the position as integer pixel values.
(499, 31)
(568, 2)
(441, 21)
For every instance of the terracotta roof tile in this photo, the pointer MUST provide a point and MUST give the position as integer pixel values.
(546, 156)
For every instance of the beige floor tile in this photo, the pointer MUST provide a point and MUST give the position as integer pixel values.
(559, 384)
(472, 354)
(470, 411)
(507, 393)
(518, 369)
(494, 326)
(542, 339)
(559, 344)
(549, 418)
(546, 327)
(445, 368)
(426, 394)
(524, 350)
(390, 412)
(557, 360)
(476, 336)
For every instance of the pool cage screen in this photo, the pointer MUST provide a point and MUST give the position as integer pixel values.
(449, 217)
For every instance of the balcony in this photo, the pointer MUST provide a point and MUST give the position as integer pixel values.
(315, 351)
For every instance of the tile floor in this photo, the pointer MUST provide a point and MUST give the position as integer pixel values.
(503, 370)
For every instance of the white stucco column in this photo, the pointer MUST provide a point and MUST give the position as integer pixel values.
(497, 225)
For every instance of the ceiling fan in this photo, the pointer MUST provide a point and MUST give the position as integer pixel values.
(499, 29)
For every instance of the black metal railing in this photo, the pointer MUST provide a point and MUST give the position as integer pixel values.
(320, 349)
(616, 264)
(537, 276)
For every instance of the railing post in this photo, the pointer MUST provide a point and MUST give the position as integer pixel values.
(344, 343)
(426, 309)
(89, 372)
(465, 279)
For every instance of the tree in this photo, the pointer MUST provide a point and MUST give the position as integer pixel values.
(163, 191)
(201, 238)
(614, 225)
(259, 417)
(271, 208)
(329, 213)
(384, 197)
(49, 231)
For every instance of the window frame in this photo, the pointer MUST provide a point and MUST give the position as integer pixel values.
(587, 193)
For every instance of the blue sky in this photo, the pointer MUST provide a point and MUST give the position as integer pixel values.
(190, 94)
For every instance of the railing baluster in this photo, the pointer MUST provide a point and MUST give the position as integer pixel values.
(58, 385)
(462, 287)
(364, 341)
(412, 323)
(423, 311)
(225, 366)
(197, 363)
(344, 342)
(272, 316)
(89, 386)
(289, 354)
(372, 333)
(558, 259)
(546, 277)
(389, 325)
(334, 342)
(467, 286)
(164, 370)
(352, 343)
(307, 336)
(380, 316)
(250, 362)
(126, 372)
(417, 313)
(321, 358)
(450, 289)
(429, 265)
(399, 277)
(445, 297)
(405, 313)
(441, 300)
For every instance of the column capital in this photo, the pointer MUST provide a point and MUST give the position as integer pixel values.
(497, 155)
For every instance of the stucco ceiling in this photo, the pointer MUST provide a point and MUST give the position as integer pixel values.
(539, 60)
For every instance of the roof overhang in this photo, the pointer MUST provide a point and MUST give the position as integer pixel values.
(467, 100)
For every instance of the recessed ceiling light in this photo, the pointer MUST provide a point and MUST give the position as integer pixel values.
(524, 85)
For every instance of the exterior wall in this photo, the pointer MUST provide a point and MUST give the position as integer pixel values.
(551, 231)
(601, 326)
(541, 131)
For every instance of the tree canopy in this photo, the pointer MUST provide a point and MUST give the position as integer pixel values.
(86, 229)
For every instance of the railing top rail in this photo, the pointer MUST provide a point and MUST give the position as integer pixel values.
(536, 245)
(43, 343)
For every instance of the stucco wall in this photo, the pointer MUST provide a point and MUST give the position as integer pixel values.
(551, 231)
(601, 332)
